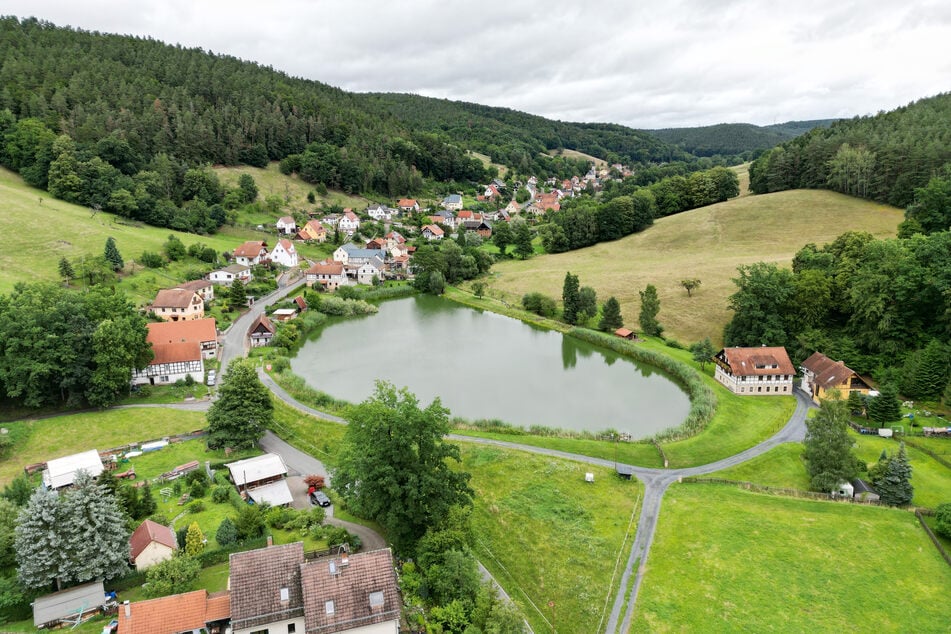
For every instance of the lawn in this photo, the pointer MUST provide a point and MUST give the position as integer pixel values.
(707, 243)
(781, 467)
(931, 479)
(765, 563)
(547, 535)
(42, 440)
(641, 454)
(78, 232)
(320, 438)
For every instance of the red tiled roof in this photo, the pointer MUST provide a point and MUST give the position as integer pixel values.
(433, 229)
(287, 220)
(193, 330)
(364, 592)
(175, 613)
(757, 361)
(175, 352)
(173, 298)
(256, 579)
(406, 202)
(250, 249)
(828, 373)
(148, 532)
(286, 245)
(326, 268)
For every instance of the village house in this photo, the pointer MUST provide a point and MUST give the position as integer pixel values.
(491, 192)
(331, 219)
(432, 232)
(380, 213)
(261, 331)
(350, 254)
(172, 362)
(185, 613)
(201, 331)
(371, 269)
(284, 253)
(349, 222)
(286, 225)
(178, 304)
(452, 202)
(276, 589)
(759, 371)
(150, 544)
(328, 274)
(262, 479)
(467, 216)
(394, 238)
(376, 243)
(231, 273)
(481, 227)
(513, 208)
(444, 217)
(203, 287)
(408, 205)
(61, 472)
(251, 252)
(821, 375)
(499, 215)
(284, 314)
(313, 231)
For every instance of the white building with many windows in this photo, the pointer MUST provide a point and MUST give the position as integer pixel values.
(755, 371)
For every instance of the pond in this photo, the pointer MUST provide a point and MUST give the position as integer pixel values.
(488, 366)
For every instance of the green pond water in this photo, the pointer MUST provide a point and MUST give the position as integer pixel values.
(484, 366)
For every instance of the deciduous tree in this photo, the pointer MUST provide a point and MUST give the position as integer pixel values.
(395, 468)
(243, 409)
(828, 448)
(702, 352)
(690, 285)
(172, 576)
(523, 240)
(502, 236)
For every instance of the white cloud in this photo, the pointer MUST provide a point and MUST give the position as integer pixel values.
(667, 64)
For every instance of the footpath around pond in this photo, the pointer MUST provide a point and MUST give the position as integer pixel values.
(655, 481)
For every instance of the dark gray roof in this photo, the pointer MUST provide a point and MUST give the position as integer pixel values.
(66, 603)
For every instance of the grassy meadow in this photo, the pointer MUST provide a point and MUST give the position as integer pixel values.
(547, 535)
(51, 229)
(44, 439)
(575, 154)
(708, 244)
(763, 563)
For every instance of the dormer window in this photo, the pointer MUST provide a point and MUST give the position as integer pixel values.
(329, 607)
(285, 595)
(376, 600)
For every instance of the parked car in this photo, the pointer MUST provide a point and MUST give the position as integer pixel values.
(212, 376)
(320, 498)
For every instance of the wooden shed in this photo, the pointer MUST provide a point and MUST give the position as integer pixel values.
(624, 333)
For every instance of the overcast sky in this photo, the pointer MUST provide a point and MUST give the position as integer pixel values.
(653, 64)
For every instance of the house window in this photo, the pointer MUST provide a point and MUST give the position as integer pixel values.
(264, 631)
(759, 389)
(767, 388)
(329, 607)
(291, 628)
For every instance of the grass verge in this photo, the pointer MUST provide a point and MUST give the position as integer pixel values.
(765, 563)
(547, 535)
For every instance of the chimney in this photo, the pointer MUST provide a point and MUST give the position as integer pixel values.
(270, 540)
(128, 609)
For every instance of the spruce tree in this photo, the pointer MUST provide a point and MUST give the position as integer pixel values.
(931, 374)
(895, 486)
(610, 316)
(855, 402)
(41, 556)
(885, 408)
(570, 298)
(650, 306)
(66, 270)
(227, 533)
(95, 537)
(237, 295)
(112, 254)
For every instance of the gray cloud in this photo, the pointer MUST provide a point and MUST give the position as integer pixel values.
(688, 62)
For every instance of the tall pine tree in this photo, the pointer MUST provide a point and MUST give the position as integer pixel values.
(610, 316)
(570, 298)
(895, 486)
(650, 306)
(885, 408)
(66, 270)
(112, 254)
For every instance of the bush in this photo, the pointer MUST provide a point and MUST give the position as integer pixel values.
(540, 304)
(197, 489)
(346, 307)
(171, 576)
(220, 494)
(942, 517)
(279, 516)
(250, 522)
(226, 534)
(196, 507)
(151, 260)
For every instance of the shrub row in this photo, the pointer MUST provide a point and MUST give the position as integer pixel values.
(496, 426)
(376, 293)
(339, 307)
(298, 388)
(703, 401)
(220, 555)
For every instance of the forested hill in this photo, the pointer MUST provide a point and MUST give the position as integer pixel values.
(516, 138)
(128, 100)
(884, 157)
(733, 139)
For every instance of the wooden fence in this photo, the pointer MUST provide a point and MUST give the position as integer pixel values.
(934, 540)
(797, 493)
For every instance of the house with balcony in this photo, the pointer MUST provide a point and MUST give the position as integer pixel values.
(763, 371)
